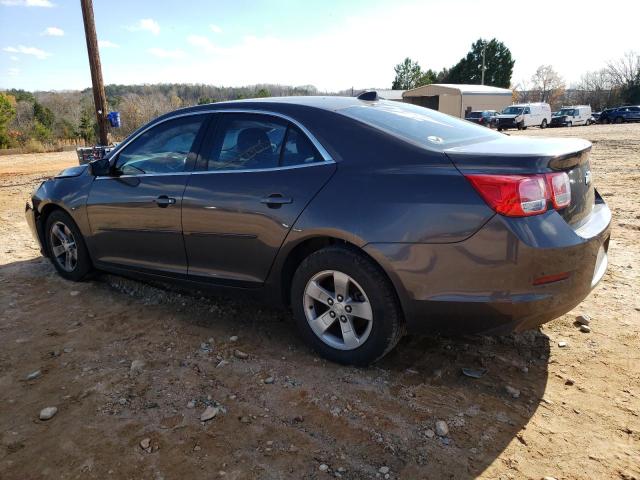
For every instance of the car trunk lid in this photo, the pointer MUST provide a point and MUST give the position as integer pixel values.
(526, 156)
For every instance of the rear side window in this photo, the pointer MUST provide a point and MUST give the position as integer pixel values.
(246, 141)
(161, 149)
(298, 149)
(256, 142)
(419, 125)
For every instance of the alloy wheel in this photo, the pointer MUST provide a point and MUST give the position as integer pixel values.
(338, 310)
(64, 249)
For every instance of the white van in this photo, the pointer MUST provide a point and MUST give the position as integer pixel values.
(571, 116)
(525, 115)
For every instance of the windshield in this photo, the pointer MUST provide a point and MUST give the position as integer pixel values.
(419, 125)
(568, 111)
(513, 110)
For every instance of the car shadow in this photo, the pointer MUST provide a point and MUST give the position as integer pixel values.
(387, 414)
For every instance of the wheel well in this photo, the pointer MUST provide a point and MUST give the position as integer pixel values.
(42, 221)
(306, 248)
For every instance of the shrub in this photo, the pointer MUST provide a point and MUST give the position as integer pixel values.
(34, 146)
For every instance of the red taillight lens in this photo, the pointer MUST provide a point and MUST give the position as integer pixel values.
(512, 195)
(560, 188)
(523, 195)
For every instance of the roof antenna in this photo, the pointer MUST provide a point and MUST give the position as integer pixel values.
(370, 96)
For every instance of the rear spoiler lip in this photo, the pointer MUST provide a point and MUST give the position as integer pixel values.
(516, 164)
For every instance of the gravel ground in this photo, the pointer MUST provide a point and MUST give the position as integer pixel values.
(150, 382)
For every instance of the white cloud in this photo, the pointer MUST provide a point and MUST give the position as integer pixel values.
(14, 58)
(27, 3)
(203, 43)
(14, 72)
(36, 52)
(215, 28)
(53, 32)
(107, 44)
(163, 53)
(146, 24)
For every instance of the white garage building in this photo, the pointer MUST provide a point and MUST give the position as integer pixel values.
(458, 100)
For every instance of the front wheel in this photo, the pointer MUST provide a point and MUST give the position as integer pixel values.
(345, 307)
(619, 120)
(544, 123)
(66, 247)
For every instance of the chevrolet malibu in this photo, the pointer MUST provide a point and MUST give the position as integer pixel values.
(368, 218)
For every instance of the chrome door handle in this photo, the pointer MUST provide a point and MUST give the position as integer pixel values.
(276, 200)
(163, 201)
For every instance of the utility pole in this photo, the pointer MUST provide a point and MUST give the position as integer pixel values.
(484, 48)
(99, 97)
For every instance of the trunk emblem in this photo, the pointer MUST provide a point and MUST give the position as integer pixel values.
(587, 177)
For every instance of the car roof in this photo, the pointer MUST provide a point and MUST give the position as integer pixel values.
(330, 103)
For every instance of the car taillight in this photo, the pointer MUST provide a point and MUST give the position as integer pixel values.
(560, 188)
(522, 195)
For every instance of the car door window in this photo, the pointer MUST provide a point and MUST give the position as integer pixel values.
(527, 111)
(298, 149)
(161, 149)
(247, 141)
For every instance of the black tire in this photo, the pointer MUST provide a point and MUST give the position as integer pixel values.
(83, 264)
(387, 326)
(619, 120)
(569, 124)
(544, 123)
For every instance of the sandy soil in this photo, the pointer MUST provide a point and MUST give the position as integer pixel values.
(123, 362)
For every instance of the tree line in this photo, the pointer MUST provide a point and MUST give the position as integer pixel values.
(616, 84)
(35, 121)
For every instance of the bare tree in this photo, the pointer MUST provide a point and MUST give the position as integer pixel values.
(548, 84)
(522, 92)
(625, 70)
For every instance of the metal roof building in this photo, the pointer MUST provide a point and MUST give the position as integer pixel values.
(395, 95)
(458, 100)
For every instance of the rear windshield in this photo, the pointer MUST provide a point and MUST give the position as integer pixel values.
(475, 115)
(419, 125)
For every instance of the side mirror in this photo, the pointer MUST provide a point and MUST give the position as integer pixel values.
(100, 168)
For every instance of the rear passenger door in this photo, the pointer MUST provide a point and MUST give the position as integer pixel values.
(255, 175)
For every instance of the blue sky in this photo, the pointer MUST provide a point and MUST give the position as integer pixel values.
(332, 44)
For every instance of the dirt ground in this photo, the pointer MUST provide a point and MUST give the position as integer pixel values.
(123, 362)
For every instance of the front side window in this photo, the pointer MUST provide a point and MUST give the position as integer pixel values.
(161, 149)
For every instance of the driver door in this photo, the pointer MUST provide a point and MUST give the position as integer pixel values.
(135, 213)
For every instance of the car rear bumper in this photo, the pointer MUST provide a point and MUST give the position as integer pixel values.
(490, 283)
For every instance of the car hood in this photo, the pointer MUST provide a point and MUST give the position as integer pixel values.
(72, 171)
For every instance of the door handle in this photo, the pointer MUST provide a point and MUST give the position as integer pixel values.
(163, 201)
(276, 200)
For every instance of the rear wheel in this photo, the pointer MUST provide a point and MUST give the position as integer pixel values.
(544, 123)
(66, 247)
(345, 307)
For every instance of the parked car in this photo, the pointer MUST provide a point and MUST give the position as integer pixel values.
(524, 115)
(572, 116)
(486, 118)
(607, 115)
(625, 114)
(368, 218)
(595, 117)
